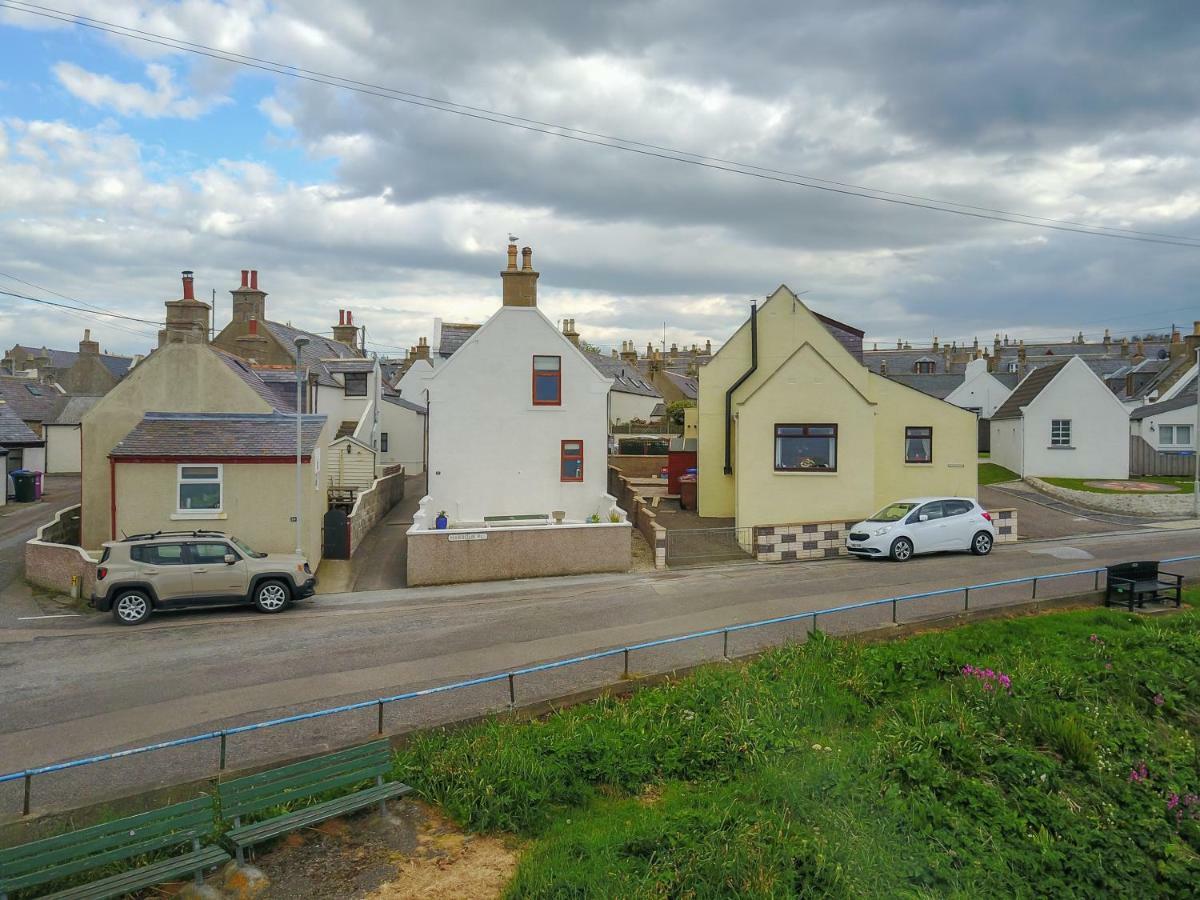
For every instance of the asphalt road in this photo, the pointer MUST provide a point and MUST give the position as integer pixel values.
(73, 687)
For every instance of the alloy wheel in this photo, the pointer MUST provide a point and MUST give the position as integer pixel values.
(132, 608)
(272, 597)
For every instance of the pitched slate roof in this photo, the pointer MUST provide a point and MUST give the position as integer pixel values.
(625, 378)
(31, 400)
(72, 413)
(940, 386)
(278, 400)
(1025, 392)
(14, 432)
(318, 349)
(207, 435)
(689, 386)
(397, 400)
(64, 359)
(349, 365)
(454, 335)
(1182, 401)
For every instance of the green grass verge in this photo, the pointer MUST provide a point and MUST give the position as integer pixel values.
(990, 473)
(1183, 485)
(838, 769)
(985, 454)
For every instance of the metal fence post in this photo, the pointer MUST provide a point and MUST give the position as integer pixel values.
(379, 723)
(626, 653)
(222, 751)
(893, 610)
(725, 646)
(1096, 581)
(966, 598)
(512, 690)
(1034, 588)
(28, 785)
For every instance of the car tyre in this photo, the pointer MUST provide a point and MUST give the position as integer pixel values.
(902, 549)
(131, 607)
(981, 544)
(272, 596)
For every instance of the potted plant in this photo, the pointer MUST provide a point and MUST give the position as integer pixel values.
(595, 519)
(441, 522)
(559, 515)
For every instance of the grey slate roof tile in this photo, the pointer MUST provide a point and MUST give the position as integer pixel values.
(31, 400)
(1025, 392)
(198, 435)
(13, 431)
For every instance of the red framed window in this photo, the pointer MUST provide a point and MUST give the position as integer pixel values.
(547, 381)
(571, 461)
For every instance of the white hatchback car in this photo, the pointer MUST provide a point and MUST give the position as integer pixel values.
(923, 525)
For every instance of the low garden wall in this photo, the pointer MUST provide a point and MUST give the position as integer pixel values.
(457, 556)
(1165, 505)
(372, 504)
(640, 514)
(55, 561)
(822, 540)
(633, 466)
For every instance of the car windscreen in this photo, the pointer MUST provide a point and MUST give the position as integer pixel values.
(893, 513)
(245, 548)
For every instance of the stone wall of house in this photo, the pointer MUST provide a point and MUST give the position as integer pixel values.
(632, 466)
(639, 513)
(826, 540)
(372, 504)
(55, 561)
(499, 554)
(1165, 505)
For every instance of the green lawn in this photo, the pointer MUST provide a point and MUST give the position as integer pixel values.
(1184, 485)
(985, 454)
(839, 769)
(990, 473)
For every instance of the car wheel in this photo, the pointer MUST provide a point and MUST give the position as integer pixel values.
(902, 549)
(271, 597)
(981, 544)
(131, 607)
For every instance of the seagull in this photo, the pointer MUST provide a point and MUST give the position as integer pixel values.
(512, 239)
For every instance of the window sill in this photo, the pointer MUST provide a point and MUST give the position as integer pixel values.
(805, 474)
(540, 407)
(919, 465)
(184, 514)
(1059, 447)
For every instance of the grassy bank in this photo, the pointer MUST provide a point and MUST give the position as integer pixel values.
(990, 473)
(1181, 485)
(1065, 762)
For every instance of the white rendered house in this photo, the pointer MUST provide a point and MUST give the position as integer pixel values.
(517, 421)
(1062, 421)
(981, 391)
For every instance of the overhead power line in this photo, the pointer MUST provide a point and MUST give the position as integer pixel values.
(82, 315)
(77, 309)
(603, 140)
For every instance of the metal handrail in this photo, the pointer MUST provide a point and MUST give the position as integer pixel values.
(510, 676)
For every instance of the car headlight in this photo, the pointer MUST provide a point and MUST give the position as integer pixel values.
(884, 530)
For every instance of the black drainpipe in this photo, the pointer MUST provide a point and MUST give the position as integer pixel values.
(737, 384)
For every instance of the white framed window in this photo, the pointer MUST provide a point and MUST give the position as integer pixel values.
(199, 490)
(1012, 368)
(1060, 432)
(1175, 435)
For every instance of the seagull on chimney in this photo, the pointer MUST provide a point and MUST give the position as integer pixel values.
(512, 238)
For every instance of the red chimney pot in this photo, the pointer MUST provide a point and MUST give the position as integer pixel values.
(254, 279)
(341, 317)
(245, 277)
(187, 285)
(349, 317)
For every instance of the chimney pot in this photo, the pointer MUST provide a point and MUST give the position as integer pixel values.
(526, 259)
(341, 317)
(245, 277)
(349, 317)
(512, 257)
(254, 279)
(188, 290)
(87, 334)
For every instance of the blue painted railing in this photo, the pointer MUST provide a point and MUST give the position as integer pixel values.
(511, 676)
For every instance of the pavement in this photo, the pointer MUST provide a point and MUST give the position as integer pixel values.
(381, 561)
(74, 687)
(1040, 517)
(18, 523)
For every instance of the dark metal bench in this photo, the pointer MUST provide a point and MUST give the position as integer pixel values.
(1133, 582)
(177, 829)
(306, 781)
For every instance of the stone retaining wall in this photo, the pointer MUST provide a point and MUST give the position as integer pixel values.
(826, 540)
(372, 504)
(639, 513)
(1165, 505)
(55, 561)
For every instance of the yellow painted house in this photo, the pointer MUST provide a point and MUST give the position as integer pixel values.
(795, 429)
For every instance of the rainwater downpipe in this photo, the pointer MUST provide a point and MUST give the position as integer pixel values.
(737, 384)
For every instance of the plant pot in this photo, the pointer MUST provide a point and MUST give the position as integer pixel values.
(440, 523)
(559, 515)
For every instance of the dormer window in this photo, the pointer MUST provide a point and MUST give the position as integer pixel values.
(356, 384)
(924, 368)
(547, 381)
(1012, 368)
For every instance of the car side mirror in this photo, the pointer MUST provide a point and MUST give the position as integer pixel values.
(230, 559)
(922, 518)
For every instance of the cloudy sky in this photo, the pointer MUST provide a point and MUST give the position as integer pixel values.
(122, 163)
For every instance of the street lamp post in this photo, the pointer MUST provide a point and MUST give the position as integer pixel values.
(300, 343)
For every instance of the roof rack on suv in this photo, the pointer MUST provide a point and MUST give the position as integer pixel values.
(150, 535)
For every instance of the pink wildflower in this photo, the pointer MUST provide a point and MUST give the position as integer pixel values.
(1159, 700)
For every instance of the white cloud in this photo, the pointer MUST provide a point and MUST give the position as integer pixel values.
(164, 100)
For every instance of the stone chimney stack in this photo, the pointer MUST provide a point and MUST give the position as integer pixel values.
(629, 352)
(569, 331)
(708, 348)
(883, 367)
(935, 344)
(996, 345)
(248, 301)
(1124, 346)
(187, 318)
(1107, 339)
(88, 347)
(421, 351)
(519, 285)
(345, 331)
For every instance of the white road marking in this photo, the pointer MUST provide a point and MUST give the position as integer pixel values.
(61, 616)
(1063, 552)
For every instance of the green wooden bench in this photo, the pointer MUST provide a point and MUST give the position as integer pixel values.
(246, 797)
(178, 828)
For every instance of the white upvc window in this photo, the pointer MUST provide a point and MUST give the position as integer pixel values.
(1175, 435)
(1060, 432)
(199, 490)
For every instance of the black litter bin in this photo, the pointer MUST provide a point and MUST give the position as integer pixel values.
(23, 485)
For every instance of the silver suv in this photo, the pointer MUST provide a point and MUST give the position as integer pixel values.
(172, 570)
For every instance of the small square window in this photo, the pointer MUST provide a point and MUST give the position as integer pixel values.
(356, 384)
(547, 381)
(918, 444)
(199, 488)
(571, 461)
(1060, 432)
